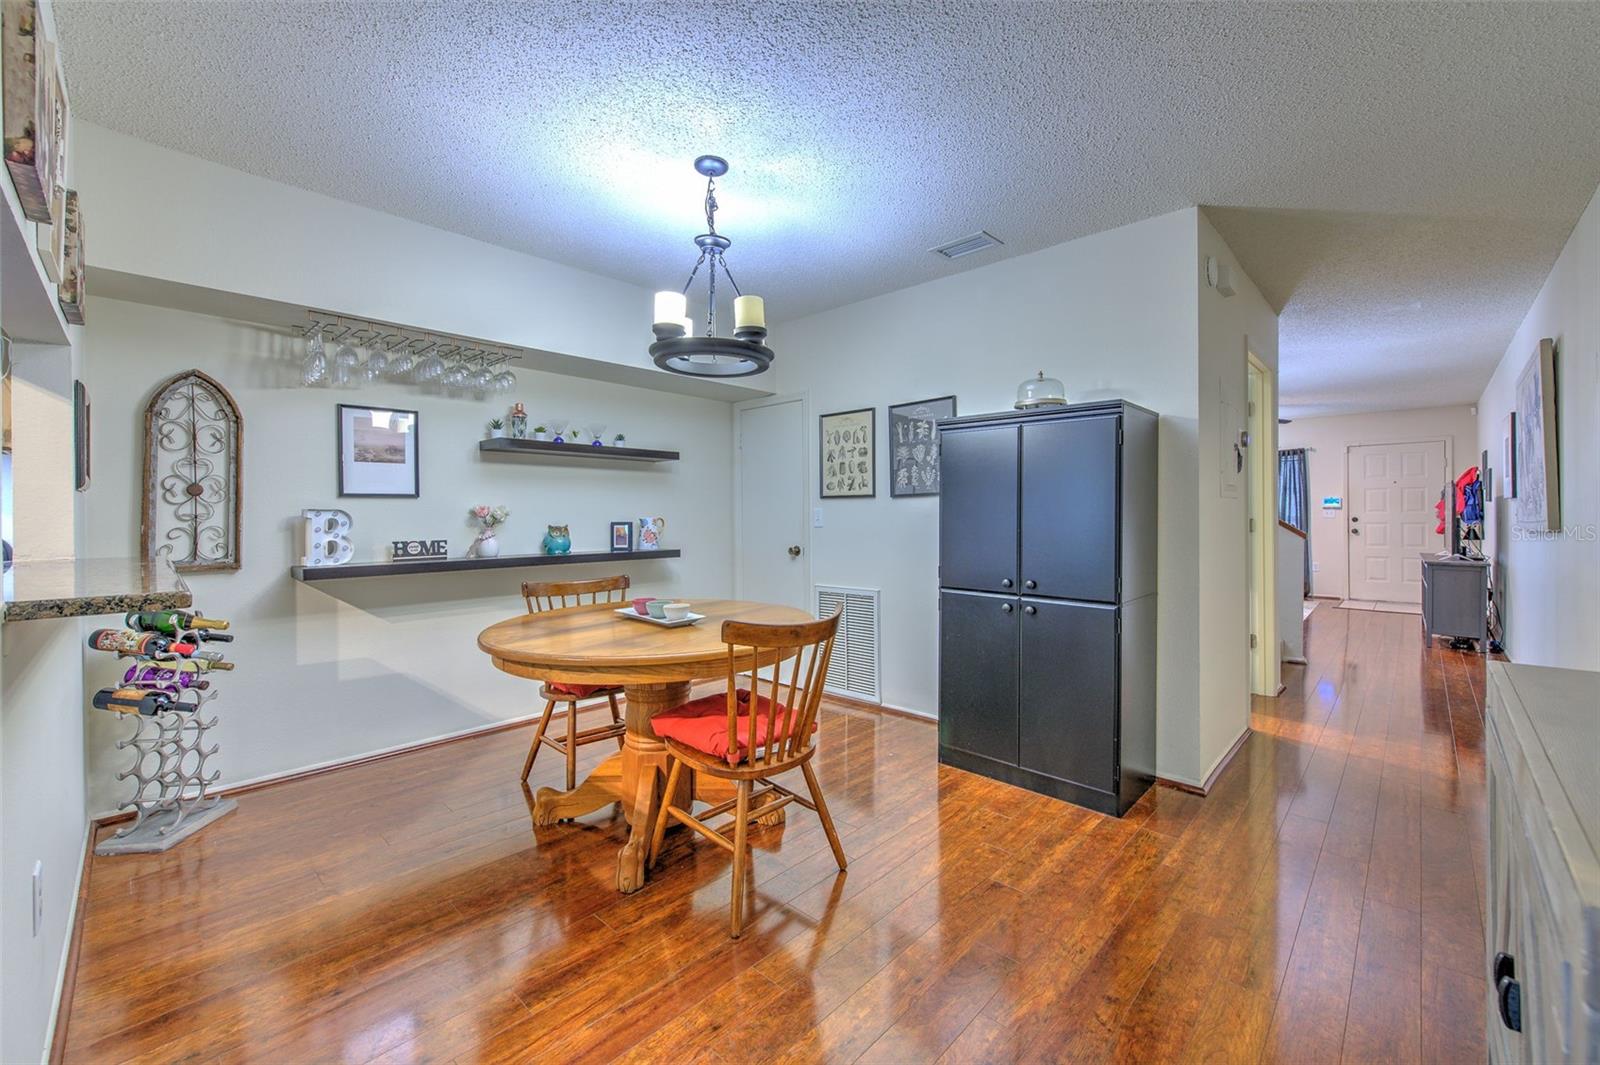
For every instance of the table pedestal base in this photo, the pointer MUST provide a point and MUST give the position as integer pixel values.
(635, 777)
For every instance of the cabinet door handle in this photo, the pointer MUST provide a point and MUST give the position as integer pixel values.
(1005, 582)
(1005, 608)
(1030, 610)
(1030, 584)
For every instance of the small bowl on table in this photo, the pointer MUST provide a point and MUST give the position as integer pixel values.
(675, 611)
(657, 609)
(641, 606)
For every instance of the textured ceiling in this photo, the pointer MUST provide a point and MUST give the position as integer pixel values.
(1398, 178)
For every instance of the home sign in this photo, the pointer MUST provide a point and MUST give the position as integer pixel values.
(419, 550)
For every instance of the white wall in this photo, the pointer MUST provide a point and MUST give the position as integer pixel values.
(1113, 315)
(1229, 327)
(1327, 471)
(339, 669)
(1550, 581)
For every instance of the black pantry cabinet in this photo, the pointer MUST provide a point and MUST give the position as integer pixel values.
(1047, 600)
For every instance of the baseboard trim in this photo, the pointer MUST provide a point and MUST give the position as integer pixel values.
(878, 708)
(1203, 790)
(67, 978)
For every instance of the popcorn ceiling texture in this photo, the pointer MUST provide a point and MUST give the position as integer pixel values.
(1397, 178)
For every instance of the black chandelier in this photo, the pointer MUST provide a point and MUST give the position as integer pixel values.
(676, 347)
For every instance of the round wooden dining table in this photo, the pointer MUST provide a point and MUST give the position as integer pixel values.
(656, 667)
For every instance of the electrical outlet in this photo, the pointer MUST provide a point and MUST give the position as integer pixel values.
(38, 896)
(816, 517)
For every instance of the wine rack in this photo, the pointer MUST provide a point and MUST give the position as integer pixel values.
(165, 690)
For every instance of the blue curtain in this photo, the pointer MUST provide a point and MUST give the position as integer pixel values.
(1294, 498)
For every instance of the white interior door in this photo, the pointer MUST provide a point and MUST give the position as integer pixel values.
(1393, 489)
(771, 541)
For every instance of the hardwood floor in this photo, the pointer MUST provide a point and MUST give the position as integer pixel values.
(1323, 904)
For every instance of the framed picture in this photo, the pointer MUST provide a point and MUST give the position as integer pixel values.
(848, 443)
(24, 104)
(622, 536)
(50, 241)
(80, 435)
(1508, 457)
(70, 292)
(914, 446)
(1538, 504)
(378, 452)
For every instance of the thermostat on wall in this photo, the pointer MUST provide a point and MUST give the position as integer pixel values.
(1333, 502)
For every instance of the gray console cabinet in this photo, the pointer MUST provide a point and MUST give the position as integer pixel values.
(1455, 597)
(1542, 956)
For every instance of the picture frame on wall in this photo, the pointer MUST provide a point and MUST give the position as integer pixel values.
(622, 536)
(24, 102)
(1538, 502)
(847, 446)
(70, 293)
(51, 237)
(914, 445)
(378, 452)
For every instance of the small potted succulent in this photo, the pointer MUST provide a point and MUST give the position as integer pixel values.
(541, 433)
(619, 441)
(497, 428)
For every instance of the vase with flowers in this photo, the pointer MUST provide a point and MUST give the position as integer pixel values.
(487, 519)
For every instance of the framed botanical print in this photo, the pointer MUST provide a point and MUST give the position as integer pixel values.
(378, 452)
(848, 454)
(914, 446)
(1538, 499)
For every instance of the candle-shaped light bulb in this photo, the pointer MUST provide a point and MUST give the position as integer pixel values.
(671, 306)
(749, 312)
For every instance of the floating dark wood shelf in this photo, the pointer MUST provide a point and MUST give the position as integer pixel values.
(550, 449)
(451, 565)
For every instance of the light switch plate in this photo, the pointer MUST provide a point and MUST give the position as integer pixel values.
(38, 896)
(816, 517)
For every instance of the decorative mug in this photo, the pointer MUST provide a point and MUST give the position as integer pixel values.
(650, 530)
(557, 541)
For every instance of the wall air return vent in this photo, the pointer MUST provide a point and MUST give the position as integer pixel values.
(967, 245)
(853, 667)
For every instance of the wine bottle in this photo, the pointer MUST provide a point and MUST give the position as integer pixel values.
(208, 636)
(150, 674)
(135, 701)
(170, 622)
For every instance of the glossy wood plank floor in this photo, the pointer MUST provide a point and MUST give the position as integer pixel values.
(1323, 904)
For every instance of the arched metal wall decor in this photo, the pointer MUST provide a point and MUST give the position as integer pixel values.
(193, 434)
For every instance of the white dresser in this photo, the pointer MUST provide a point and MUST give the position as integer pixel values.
(1543, 952)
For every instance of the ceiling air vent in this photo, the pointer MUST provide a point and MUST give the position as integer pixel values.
(853, 667)
(967, 245)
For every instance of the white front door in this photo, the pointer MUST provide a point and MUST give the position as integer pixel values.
(772, 566)
(1393, 490)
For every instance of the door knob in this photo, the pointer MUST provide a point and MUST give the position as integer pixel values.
(1030, 584)
(1005, 582)
(1355, 532)
(1005, 608)
(1030, 610)
(794, 552)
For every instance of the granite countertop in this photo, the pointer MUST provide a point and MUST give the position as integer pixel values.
(84, 587)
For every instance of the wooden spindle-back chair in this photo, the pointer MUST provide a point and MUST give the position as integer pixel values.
(751, 735)
(545, 597)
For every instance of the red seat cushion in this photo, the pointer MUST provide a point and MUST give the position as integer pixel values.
(582, 691)
(703, 725)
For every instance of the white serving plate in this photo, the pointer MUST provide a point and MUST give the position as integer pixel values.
(629, 612)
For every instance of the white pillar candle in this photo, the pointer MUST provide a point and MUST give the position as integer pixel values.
(670, 306)
(749, 312)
